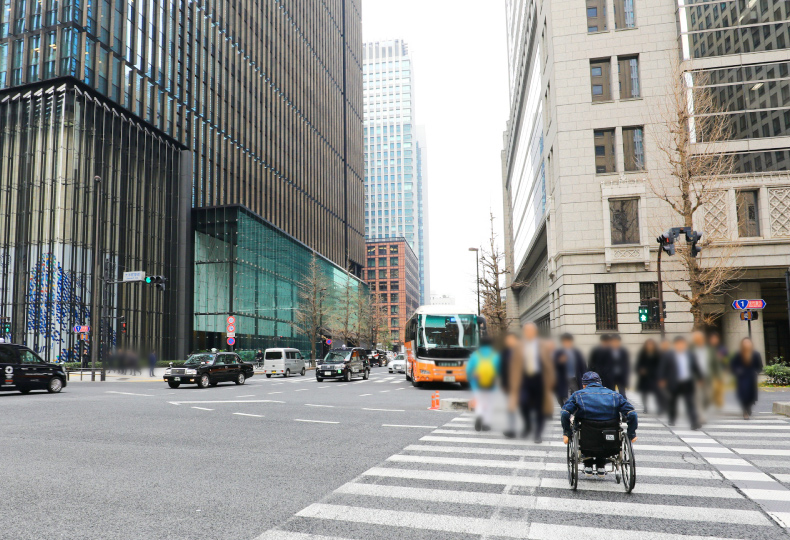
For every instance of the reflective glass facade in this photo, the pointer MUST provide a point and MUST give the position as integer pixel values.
(246, 267)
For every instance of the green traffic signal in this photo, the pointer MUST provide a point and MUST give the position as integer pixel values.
(644, 314)
(148, 279)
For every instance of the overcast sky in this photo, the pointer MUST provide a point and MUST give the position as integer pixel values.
(460, 91)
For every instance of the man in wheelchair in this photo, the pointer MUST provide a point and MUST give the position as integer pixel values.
(596, 413)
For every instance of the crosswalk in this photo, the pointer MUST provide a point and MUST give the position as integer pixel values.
(456, 483)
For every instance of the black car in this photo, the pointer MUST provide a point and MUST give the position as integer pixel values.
(24, 370)
(345, 364)
(377, 357)
(209, 369)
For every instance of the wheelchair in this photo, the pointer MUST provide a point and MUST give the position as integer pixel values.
(601, 440)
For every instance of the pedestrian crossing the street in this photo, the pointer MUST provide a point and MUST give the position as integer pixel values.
(457, 483)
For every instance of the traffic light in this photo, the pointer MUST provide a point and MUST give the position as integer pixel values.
(667, 241)
(644, 313)
(655, 312)
(122, 320)
(693, 238)
(6, 325)
(159, 281)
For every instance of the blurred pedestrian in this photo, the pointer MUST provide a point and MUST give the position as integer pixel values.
(511, 353)
(151, 363)
(258, 358)
(570, 366)
(481, 372)
(679, 375)
(134, 363)
(709, 367)
(532, 381)
(746, 365)
(601, 360)
(647, 364)
(720, 352)
(620, 368)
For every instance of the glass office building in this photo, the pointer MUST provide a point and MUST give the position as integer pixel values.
(394, 174)
(261, 102)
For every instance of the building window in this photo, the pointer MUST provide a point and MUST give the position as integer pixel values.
(382, 261)
(600, 72)
(371, 274)
(393, 249)
(596, 16)
(624, 221)
(394, 298)
(605, 307)
(383, 286)
(383, 298)
(382, 274)
(628, 73)
(394, 286)
(624, 14)
(395, 335)
(371, 262)
(371, 250)
(372, 286)
(604, 151)
(394, 321)
(634, 148)
(748, 214)
(393, 261)
(648, 294)
(394, 273)
(382, 250)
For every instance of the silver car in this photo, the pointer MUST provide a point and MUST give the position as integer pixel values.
(398, 365)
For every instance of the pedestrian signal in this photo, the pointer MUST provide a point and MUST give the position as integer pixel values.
(644, 313)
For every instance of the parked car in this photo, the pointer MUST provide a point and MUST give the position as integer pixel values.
(209, 369)
(282, 361)
(398, 365)
(376, 358)
(345, 363)
(23, 370)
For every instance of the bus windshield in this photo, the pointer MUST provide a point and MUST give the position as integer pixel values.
(447, 331)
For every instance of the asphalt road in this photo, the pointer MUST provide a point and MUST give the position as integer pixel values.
(127, 460)
(300, 460)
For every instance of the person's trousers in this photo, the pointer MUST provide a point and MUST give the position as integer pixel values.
(531, 403)
(151, 373)
(572, 387)
(618, 385)
(685, 390)
(484, 405)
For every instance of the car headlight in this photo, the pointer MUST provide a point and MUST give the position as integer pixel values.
(167, 371)
(191, 372)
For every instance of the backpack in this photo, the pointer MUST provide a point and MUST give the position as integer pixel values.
(485, 372)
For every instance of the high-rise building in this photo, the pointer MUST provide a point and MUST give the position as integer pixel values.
(392, 273)
(582, 142)
(251, 109)
(395, 152)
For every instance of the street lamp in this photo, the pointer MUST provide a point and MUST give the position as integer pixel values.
(477, 268)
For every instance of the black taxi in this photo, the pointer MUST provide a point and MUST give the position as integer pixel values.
(23, 370)
(209, 369)
(345, 363)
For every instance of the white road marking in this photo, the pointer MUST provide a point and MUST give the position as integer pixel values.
(228, 401)
(782, 477)
(249, 395)
(672, 490)
(288, 535)
(127, 393)
(403, 426)
(384, 410)
(399, 389)
(272, 393)
(762, 451)
(315, 421)
(511, 442)
(363, 395)
(312, 405)
(383, 391)
(302, 390)
(245, 414)
(203, 408)
(322, 386)
(557, 504)
(454, 476)
(767, 494)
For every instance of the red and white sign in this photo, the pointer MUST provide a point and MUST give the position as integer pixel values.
(231, 320)
(231, 328)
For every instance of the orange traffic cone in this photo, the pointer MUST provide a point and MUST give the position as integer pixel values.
(435, 401)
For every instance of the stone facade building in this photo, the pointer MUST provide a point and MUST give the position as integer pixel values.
(587, 84)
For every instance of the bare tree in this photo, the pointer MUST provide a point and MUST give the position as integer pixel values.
(309, 316)
(344, 316)
(377, 330)
(492, 287)
(697, 167)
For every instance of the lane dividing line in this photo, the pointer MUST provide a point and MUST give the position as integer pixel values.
(313, 405)
(245, 414)
(127, 393)
(363, 395)
(248, 395)
(228, 401)
(404, 426)
(203, 408)
(315, 421)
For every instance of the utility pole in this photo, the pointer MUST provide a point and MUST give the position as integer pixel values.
(477, 268)
(787, 288)
(660, 296)
(96, 300)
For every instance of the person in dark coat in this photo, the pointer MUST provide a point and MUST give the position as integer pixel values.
(620, 367)
(647, 365)
(570, 366)
(601, 360)
(746, 365)
(151, 363)
(679, 375)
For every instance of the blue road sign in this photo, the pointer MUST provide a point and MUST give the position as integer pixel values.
(328, 341)
(742, 305)
(231, 341)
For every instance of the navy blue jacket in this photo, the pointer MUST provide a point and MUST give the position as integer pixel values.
(598, 404)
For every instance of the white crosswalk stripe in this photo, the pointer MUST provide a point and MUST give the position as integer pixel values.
(457, 481)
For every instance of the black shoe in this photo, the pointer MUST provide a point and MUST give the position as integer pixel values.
(509, 434)
(525, 433)
(538, 440)
(478, 424)
(486, 428)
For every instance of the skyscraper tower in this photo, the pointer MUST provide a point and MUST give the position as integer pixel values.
(394, 152)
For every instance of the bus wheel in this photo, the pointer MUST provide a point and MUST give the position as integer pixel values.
(415, 383)
(408, 378)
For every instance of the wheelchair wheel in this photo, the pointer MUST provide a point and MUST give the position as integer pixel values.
(573, 461)
(628, 465)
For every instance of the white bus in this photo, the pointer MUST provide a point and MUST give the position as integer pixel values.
(438, 342)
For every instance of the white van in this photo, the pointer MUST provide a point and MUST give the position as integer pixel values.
(285, 362)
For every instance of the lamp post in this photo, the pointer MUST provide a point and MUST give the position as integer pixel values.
(477, 268)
